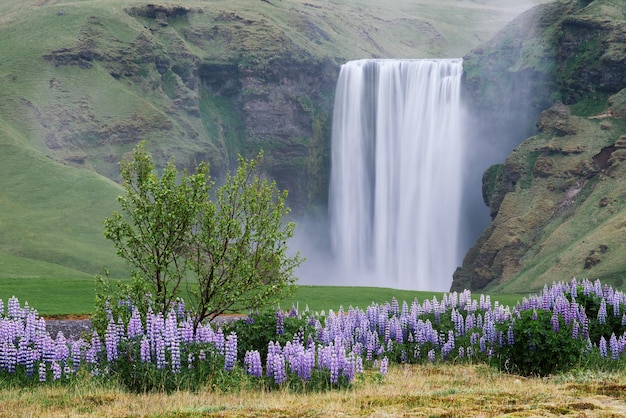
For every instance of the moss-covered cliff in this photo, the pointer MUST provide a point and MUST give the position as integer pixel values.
(558, 201)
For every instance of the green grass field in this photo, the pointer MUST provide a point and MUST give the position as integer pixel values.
(75, 295)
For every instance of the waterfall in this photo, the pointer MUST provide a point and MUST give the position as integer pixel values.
(396, 173)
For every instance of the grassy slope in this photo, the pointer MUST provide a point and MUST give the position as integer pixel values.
(561, 243)
(51, 222)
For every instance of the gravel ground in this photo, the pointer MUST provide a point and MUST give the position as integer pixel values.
(70, 327)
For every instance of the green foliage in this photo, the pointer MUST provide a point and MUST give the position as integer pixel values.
(115, 298)
(240, 249)
(154, 232)
(612, 324)
(229, 247)
(207, 366)
(257, 330)
(490, 178)
(538, 348)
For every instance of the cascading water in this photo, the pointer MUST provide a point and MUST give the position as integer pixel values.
(395, 190)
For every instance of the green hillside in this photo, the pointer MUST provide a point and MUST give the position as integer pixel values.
(83, 81)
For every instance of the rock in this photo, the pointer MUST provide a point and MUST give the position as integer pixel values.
(544, 167)
(555, 190)
(556, 121)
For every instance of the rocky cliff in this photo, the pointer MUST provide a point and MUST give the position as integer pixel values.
(84, 81)
(208, 81)
(558, 201)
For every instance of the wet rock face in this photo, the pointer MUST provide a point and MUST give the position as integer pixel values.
(286, 112)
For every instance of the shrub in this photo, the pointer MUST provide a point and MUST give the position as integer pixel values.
(257, 330)
(541, 342)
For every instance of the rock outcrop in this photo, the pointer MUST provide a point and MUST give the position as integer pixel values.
(558, 203)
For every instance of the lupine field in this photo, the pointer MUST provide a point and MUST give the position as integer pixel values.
(568, 325)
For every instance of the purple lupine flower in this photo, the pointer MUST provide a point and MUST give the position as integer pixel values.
(458, 322)
(334, 367)
(170, 335)
(585, 329)
(252, 363)
(358, 365)
(191, 358)
(575, 329)
(134, 324)
(615, 302)
(272, 349)
(14, 311)
(144, 350)
(395, 307)
(370, 350)
(62, 351)
(293, 313)
(180, 309)
(602, 347)
(9, 353)
(602, 312)
(614, 347)
(110, 341)
(483, 344)
(161, 361)
(30, 362)
(56, 370)
(22, 351)
(218, 341)
(280, 322)
(448, 346)
(186, 331)
(384, 366)
(277, 361)
(93, 352)
(470, 319)
(42, 371)
(431, 356)
(307, 363)
(510, 336)
(76, 353)
(461, 352)
(555, 322)
(230, 349)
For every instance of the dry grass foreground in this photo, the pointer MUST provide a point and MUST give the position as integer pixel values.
(431, 390)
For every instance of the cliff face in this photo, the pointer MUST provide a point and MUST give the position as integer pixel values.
(209, 81)
(83, 82)
(196, 104)
(557, 202)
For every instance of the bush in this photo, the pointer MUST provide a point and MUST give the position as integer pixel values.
(256, 331)
(541, 343)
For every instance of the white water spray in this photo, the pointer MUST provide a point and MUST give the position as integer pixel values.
(395, 190)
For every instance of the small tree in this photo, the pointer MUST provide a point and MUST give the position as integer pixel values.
(159, 214)
(240, 251)
(233, 243)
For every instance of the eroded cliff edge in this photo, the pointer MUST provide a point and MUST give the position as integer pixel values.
(558, 202)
